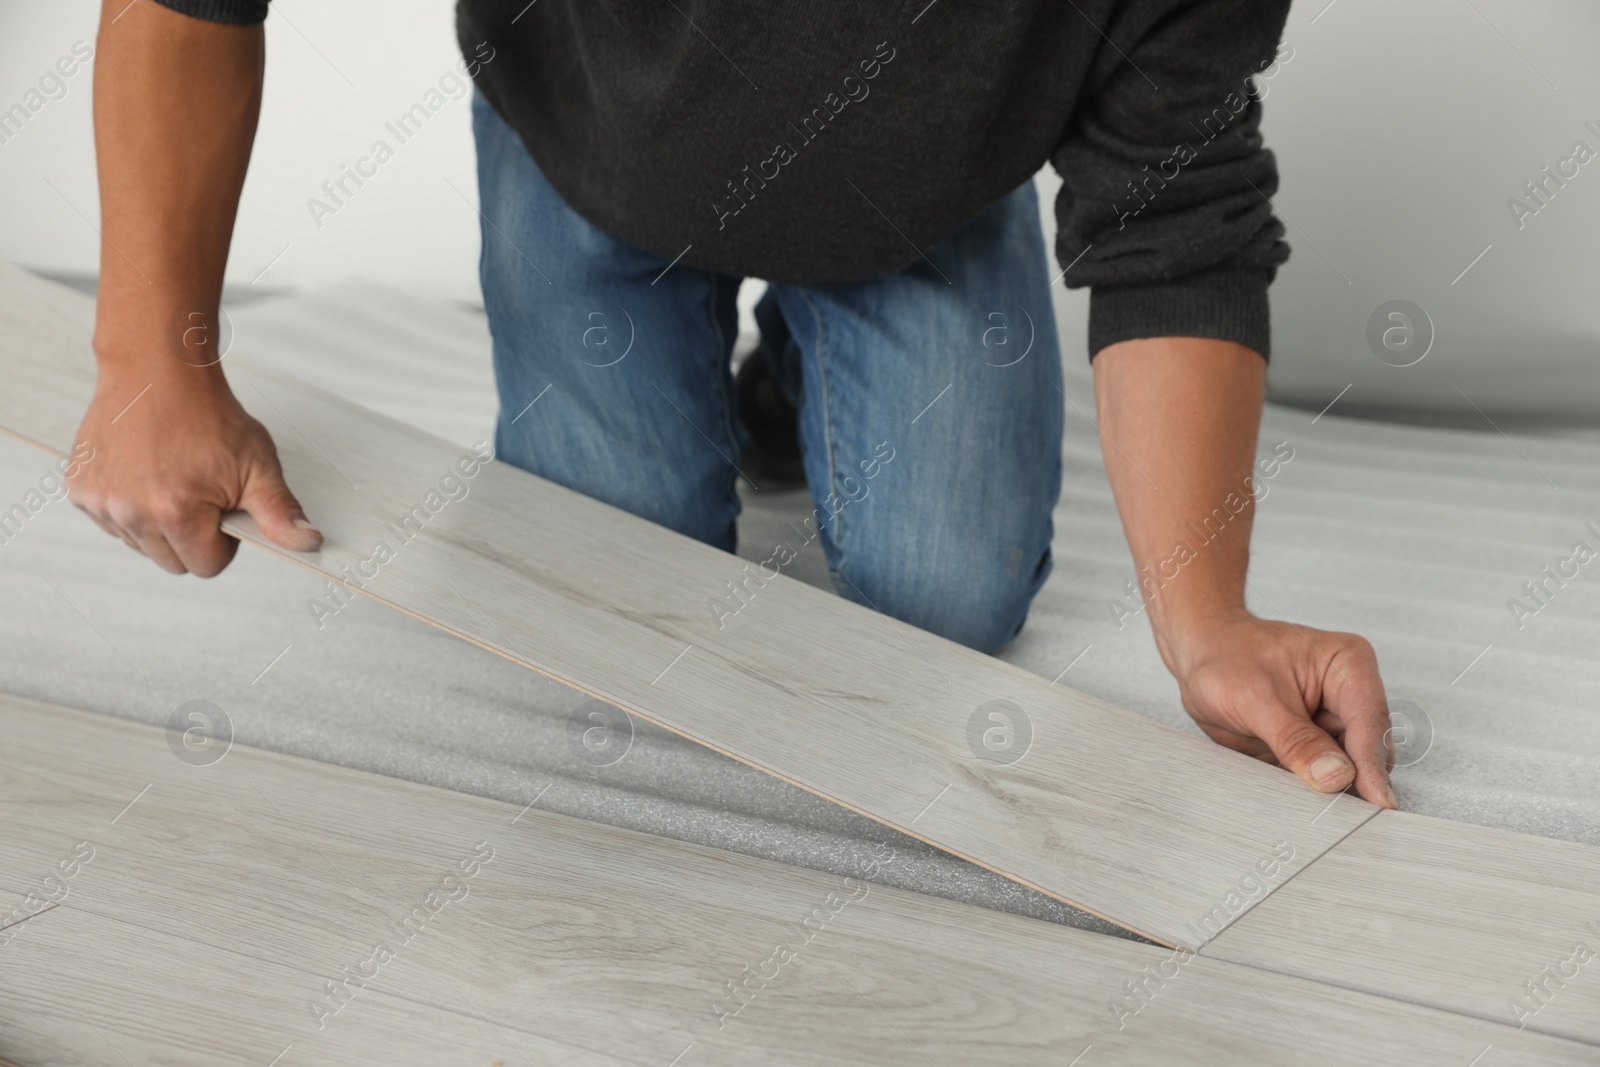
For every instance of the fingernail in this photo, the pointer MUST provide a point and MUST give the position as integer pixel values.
(305, 524)
(1329, 769)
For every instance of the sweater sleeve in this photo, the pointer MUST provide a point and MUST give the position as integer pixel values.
(232, 12)
(1163, 209)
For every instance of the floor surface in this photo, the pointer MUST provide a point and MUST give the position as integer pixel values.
(1414, 537)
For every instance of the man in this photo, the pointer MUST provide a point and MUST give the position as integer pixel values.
(872, 161)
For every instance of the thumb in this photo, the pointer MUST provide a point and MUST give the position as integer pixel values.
(279, 515)
(1304, 748)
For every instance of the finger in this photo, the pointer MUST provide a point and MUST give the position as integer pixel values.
(1245, 743)
(115, 531)
(1367, 742)
(279, 515)
(131, 541)
(199, 542)
(104, 524)
(1336, 729)
(153, 543)
(1353, 692)
(127, 539)
(145, 536)
(1282, 721)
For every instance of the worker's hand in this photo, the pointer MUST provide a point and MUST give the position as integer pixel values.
(1305, 699)
(173, 450)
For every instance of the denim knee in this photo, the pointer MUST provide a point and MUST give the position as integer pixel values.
(694, 501)
(976, 594)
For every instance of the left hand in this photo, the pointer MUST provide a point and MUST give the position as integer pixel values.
(1309, 700)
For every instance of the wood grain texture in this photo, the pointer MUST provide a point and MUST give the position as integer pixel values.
(1160, 831)
(86, 991)
(1466, 918)
(221, 901)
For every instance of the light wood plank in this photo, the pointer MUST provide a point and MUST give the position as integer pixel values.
(86, 991)
(17, 908)
(1475, 920)
(221, 901)
(1160, 831)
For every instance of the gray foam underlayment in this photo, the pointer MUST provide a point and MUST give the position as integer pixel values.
(1414, 537)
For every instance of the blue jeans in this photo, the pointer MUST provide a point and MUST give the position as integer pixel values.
(929, 402)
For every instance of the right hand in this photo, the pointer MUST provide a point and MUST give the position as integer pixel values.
(167, 466)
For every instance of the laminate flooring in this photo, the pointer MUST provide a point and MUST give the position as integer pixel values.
(1475, 920)
(230, 912)
(1154, 829)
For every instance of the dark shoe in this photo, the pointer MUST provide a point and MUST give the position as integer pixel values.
(772, 459)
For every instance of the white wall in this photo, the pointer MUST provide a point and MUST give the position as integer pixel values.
(1402, 129)
(336, 72)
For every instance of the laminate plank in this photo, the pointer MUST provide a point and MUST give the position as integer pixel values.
(1470, 919)
(222, 902)
(18, 908)
(1157, 830)
(87, 991)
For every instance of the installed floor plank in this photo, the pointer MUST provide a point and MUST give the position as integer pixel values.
(86, 991)
(1466, 918)
(1159, 831)
(222, 902)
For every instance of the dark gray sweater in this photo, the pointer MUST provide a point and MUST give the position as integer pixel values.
(819, 141)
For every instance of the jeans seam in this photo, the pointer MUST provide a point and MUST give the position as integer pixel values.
(728, 404)
(837, 532)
